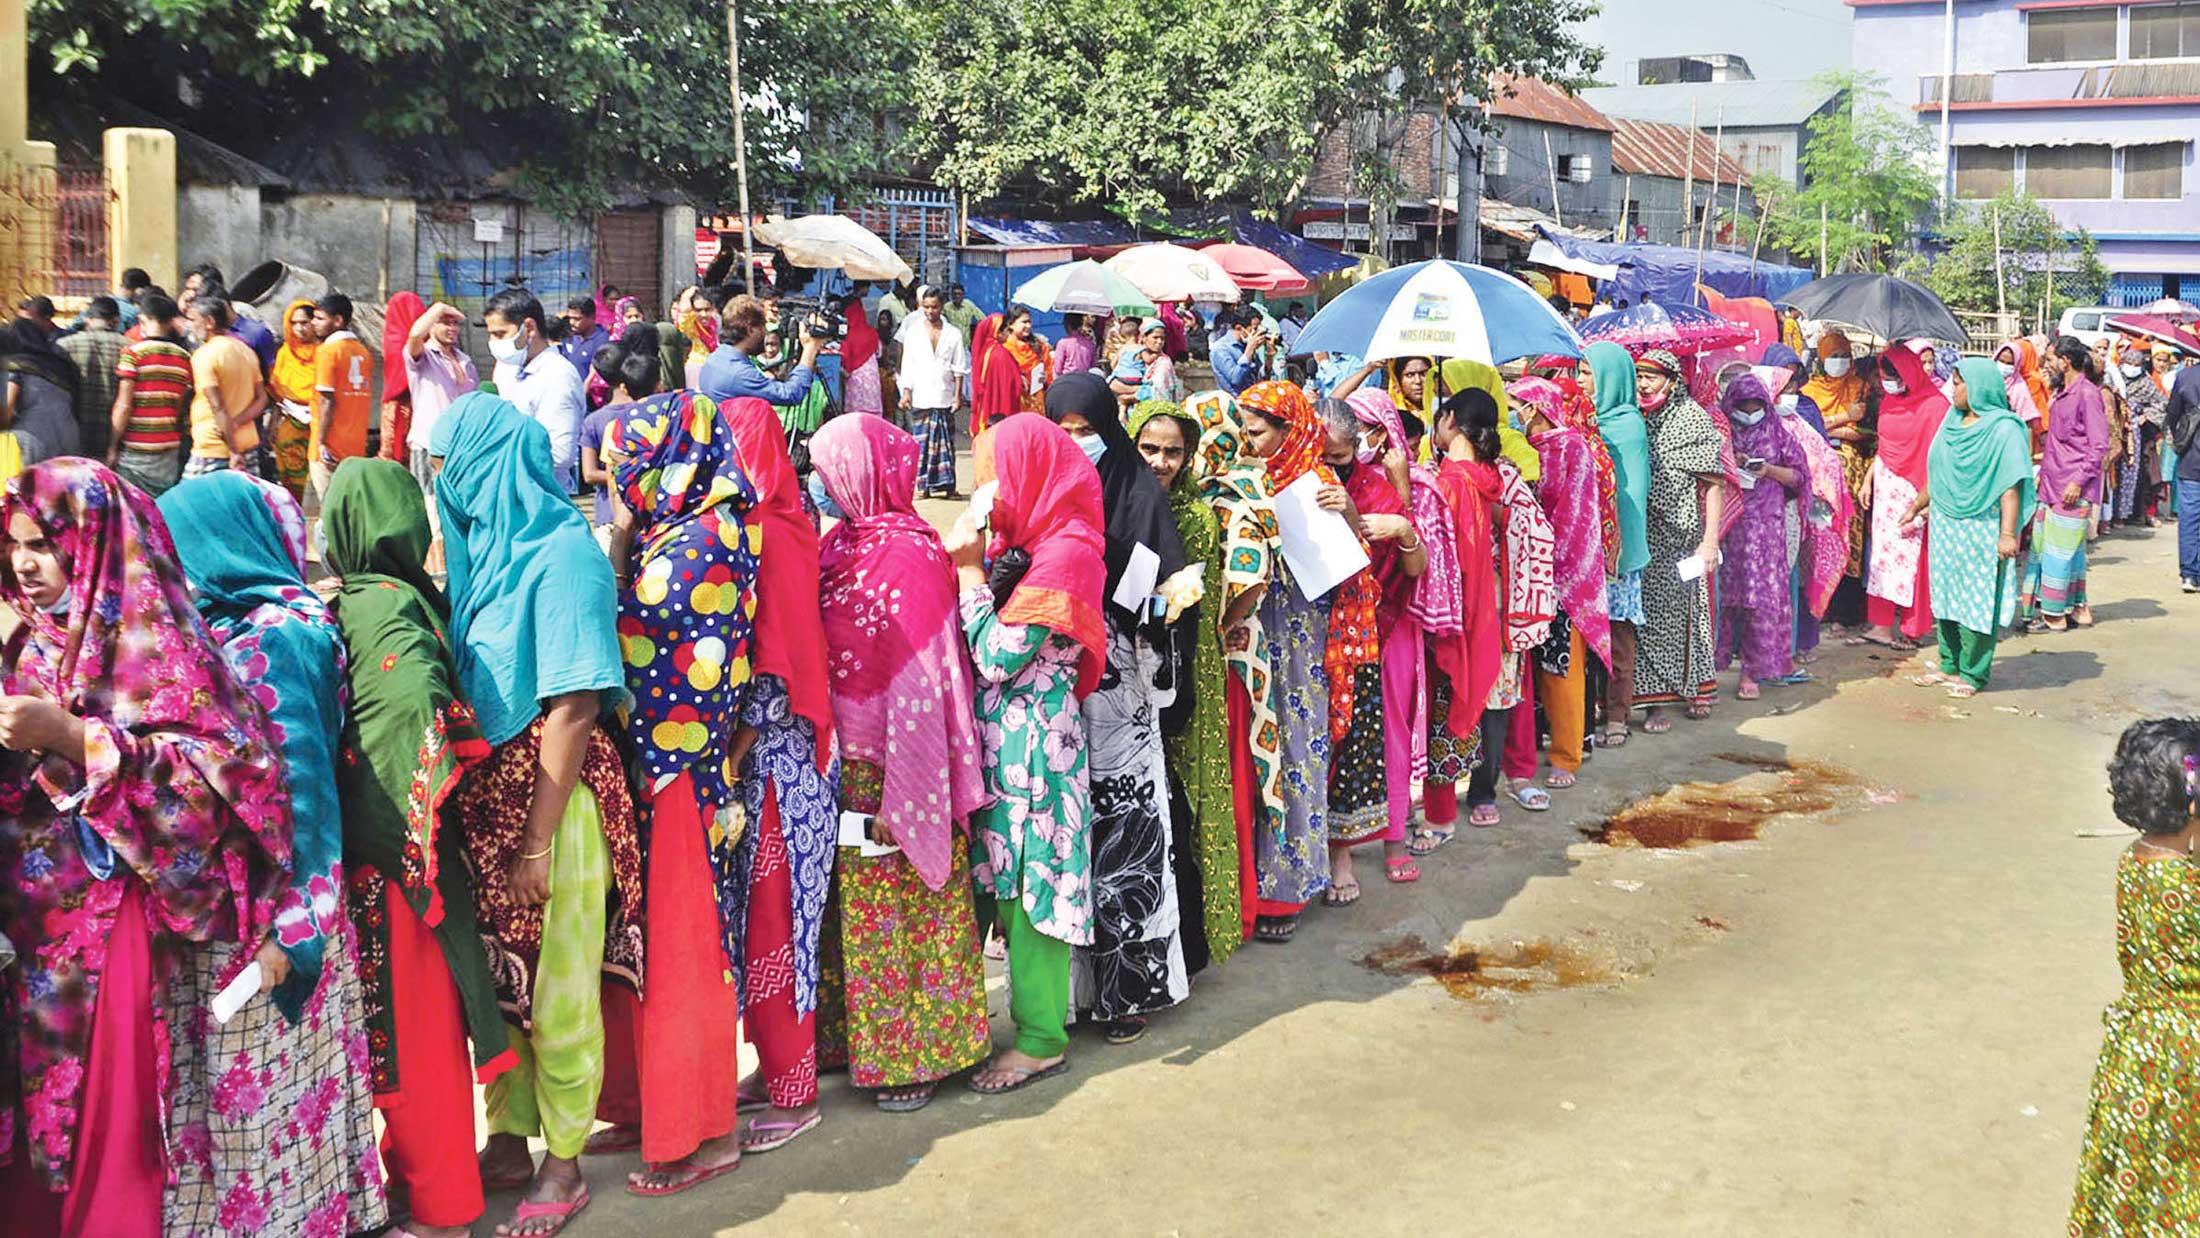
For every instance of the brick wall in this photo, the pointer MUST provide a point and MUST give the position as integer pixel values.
(1332, 174)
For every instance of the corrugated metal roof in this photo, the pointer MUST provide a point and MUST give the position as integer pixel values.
(1746, 104)
(1654, 148)
(1532, 98)
(1522, 223)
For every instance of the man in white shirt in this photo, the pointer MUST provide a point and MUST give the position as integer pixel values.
(934, 362)
(536, 377)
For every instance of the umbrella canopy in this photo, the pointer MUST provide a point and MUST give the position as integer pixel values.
(1255, 269)
(1891, 308)
(1685, 329)
(1173, 273)
(2172, 308)
(1440, 309)
(833, 242)
(1081, 287)
(2156, 327)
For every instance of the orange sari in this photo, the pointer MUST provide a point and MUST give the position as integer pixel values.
(1034, 371)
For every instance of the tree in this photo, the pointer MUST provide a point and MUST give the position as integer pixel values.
(2031, 244)
(1865, 181)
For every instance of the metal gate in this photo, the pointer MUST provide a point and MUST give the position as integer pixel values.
(466, 252)
(920, 224)
(627, 247)
(53, 229)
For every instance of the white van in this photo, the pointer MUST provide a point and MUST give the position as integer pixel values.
(2089, 322)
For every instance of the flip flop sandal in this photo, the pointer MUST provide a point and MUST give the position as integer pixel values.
(1614, 737)
(1028, 1077)
(1560, 779)
(612, 1140)
(697, 1175)
(1532, 798)
(1341, 895)
(1697, 711)
(1124, 1031)
(1859, 641)
(528, 1211)
(1930, 679)
(1275, 930)
(1658, 725)
(1792, 678)
(782, 1133)
(1401, 870)
(906, 1100)
(1428, 839)
(1483, 816)
(1748, 692)
(1962, 691)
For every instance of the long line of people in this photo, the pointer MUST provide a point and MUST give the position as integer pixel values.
(573, 823)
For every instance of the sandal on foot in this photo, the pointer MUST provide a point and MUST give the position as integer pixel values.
(765, 1135)
(1560, 779)
(1697, 711)
(612, 1140)
(531, 1211)
(1023, 1078)
(1430, 837)
(1401, 870)
(689, 1174)
(1865, 638)
(1343, 894)
(908, 1099)
(1962, 691)
(1275, 930)
(1657, 724)
(1532, 797)
(1614, 737)
(1799, 675)
(1483, 816)
(1124, 1031)
(1930, 679)
(1748, 691)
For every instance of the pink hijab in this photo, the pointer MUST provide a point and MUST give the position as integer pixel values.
(1830, 507)
(901, 682)
(1572, 497)
(1438, 603)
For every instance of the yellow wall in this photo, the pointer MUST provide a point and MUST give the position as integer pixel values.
(24, 233)
(141, 216)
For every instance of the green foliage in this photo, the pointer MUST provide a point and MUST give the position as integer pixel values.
(1866, 181)
(2032, 243)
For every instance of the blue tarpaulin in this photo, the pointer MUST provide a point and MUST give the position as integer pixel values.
(1668, 272)
(1313, 261)
(1041, 232)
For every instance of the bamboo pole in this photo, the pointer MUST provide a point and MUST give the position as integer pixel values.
(2001, 287)
(1688, 183)
(1703, 230)
(740, 139)
(1822, 241)
(1764, 210)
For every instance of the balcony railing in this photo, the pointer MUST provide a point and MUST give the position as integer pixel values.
(2098, 84)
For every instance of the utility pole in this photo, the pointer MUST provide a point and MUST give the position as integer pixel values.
(1469, 241)
(1688, 185)
(740, 139)
(1550, 162)
(1947, 94)
(2001, 288)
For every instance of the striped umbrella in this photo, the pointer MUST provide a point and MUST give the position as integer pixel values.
(1440, 308)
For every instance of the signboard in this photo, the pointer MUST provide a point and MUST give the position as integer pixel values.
(489, 231)
(706, 250)
(1334, 230)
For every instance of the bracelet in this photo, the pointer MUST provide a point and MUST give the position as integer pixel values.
(1406, 550)
(535, 855)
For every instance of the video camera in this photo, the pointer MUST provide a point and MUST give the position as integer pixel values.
(824, 320)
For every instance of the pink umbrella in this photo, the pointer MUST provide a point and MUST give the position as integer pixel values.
(2173, 309)
(1255, 269)
(2157, 327)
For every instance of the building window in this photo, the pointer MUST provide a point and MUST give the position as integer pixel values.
(2058, 36)
(1576, 169)
(2165, 31)
(2156, 171)
(1985, 171)
(2067, 172)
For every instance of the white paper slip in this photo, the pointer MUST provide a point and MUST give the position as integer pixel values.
(1748, 481)
(243, 989)
(855, 831)
(1140, 575)
(1690, 568)
(1321, 548)
(981, 503)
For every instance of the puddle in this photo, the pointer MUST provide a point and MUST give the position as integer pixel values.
(1469, 972)
(1732, 811)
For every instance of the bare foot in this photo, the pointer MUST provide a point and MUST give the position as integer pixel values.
(559, 1181)
(505, 1164)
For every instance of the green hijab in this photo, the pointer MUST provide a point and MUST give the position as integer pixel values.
(1969, 467)
(1627, 439)
(408, 740)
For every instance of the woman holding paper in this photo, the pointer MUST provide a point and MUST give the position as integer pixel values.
(904, 978)
(242, 545)
(1756, 597)
(1135, 965)
(1687, 501)
(150, 784)
(1039, 646)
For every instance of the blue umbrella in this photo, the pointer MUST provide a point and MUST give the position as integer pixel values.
(1440, 309)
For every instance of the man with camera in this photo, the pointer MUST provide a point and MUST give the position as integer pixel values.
(732, 372)
(1242, 357)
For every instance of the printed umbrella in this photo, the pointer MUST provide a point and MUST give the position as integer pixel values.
(1082, 287)
(1173, 273)
(1685, 329)
(1890, 308)
(1440, 308)
(2173, 309)
(2156, 327)
(833, 242)
(1255, 269)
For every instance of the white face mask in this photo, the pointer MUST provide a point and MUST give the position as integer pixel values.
(1093, 446)
(1892, 386)
(511, 348)
(1790, 402)
(1365, 451)
(1747, 416)
(2008, 370)
(2134, 371)
(1836, 366)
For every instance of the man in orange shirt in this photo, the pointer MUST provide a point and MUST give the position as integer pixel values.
(344, 386)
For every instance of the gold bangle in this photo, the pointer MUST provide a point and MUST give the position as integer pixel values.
(535, 855)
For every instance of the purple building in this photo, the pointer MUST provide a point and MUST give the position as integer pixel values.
(2092, 107)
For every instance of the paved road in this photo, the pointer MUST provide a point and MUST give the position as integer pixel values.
(1877, 1020)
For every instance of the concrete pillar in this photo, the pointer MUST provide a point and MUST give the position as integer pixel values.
(141, 203)
(26, 169)
(676, 261)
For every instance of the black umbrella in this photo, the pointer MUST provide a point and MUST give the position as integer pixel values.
(1894, 309)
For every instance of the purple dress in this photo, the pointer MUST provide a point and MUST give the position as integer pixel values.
(1756, 604)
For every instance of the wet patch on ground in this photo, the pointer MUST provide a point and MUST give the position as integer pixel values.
(1737, 810)
(1472, 971)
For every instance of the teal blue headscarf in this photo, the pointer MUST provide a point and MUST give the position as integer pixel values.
(1627, 438)
(243, 546)
(534, 610)
(1969, 467)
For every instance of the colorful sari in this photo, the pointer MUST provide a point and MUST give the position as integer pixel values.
(1756, 568)
(291, 381)
(1675, 642)
(902, 992)
(1577, 498)
(1841, 407)
(297, 1152)
(1034, 363)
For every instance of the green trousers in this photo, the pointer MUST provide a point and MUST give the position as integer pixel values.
(1966, 654)
(554, 1088)
(1038, 979)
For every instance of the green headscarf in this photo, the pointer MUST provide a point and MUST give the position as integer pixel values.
(1627, 438)
(407, 741)
(1969, 467)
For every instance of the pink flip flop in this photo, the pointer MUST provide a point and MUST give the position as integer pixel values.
(776, 1135)
(697, 1176)
(531, 1211)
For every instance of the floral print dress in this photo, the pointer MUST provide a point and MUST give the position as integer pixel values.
(1291, 854)
(1037, 838)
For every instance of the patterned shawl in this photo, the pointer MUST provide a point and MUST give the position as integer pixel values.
(1236, 486)
(1828, 508)
(789, 643)
(1436, 602)
(1576, 498)
(902, 691)
(1048, 505)
(1687, 444)
(1471, 659)
(1531, 589)
(182, 785)
(1353, 640)
(408, 740)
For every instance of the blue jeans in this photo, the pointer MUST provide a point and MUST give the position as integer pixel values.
(2188, 530)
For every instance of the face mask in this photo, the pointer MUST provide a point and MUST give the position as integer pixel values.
(1652, 403)
(508, 349)
(2008, 369)
(1093, 446)
(1836, 366)
(1747, 417)
(1790, 402)
(1891, 386)
(822, 501)
(1366, 452)
(2134, 371)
